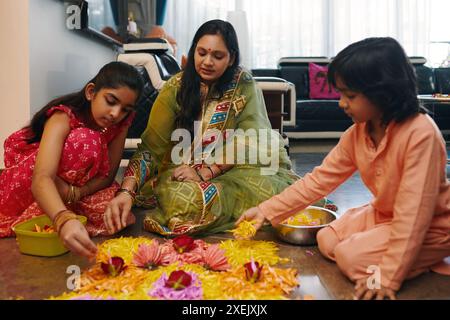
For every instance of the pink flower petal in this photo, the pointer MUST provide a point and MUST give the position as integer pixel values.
(148, 255)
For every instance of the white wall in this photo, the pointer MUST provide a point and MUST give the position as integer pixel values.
(61, 60)
(41, 59)
(14, 68)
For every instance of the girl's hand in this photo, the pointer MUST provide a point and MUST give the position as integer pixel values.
(185, 173)
(253, 214)
(62, 186)
(362, 292)
(117, 214)
(75, 238)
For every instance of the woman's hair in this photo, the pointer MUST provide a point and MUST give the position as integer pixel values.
(112, 75)
(188, 96)
(379, 69)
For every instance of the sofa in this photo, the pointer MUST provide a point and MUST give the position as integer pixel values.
(322, 118)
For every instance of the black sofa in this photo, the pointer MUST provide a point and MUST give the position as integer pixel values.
(324, 118)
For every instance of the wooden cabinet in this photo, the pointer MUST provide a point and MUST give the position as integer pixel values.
(279, 97)
(274, 101)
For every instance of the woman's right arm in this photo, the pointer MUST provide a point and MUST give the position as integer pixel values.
(45, 191)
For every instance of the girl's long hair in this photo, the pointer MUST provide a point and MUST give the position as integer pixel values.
(188, 97)
(112, 75)
(380, 69)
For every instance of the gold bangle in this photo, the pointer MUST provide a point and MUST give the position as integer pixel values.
(129, 192)
(68, 195)
(57, 214)
(73, 195)
(77, 194)
(62, 218)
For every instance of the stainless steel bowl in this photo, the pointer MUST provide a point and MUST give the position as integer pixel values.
(305, 235)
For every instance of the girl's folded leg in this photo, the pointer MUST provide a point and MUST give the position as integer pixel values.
(94, 206)
(353, 221)
(327, 241)
(355, 255)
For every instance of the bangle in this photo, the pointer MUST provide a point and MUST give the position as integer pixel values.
(61, 218)
(58, 213)
(132, 194)
(73, 195)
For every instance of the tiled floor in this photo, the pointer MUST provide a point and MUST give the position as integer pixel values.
(38, 278)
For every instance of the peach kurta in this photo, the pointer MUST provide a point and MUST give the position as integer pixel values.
(406, 175)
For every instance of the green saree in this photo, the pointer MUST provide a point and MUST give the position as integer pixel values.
(208, 207)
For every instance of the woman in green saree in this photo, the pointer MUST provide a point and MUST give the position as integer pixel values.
(207, 187)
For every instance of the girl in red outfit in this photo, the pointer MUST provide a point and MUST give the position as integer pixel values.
(66, 159)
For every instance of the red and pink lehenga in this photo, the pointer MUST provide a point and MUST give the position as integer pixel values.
(84, 156)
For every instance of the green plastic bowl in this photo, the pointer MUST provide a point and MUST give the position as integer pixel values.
(40, 243)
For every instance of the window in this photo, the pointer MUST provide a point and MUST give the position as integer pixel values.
(320, 27)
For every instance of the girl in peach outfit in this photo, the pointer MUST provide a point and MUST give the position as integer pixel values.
(400, 154)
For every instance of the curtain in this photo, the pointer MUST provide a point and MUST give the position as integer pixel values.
(280, 28)
(184, 17)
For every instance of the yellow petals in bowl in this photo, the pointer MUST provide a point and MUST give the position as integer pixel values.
(302, 228)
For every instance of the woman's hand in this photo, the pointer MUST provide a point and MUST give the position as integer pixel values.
(118, 213)
(185, 173)
(362, 292)
(253, 214)
(76, 238)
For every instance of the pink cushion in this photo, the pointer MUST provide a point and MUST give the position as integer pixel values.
(319, 88)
